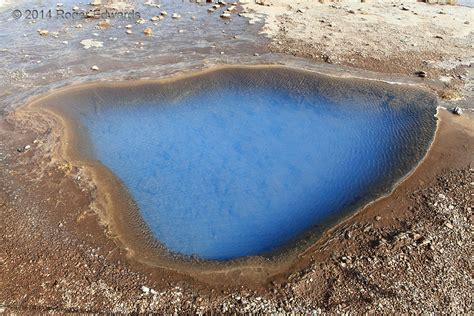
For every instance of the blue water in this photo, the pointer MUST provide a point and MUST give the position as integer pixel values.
(226, 173)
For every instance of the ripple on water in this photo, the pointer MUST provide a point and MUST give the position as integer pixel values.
(241, 162)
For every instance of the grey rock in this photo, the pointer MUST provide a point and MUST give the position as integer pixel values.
(457, 110)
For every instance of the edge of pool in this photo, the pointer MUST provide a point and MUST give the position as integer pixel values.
(114, 203)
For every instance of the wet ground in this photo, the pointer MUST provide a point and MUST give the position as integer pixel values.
(32, 63)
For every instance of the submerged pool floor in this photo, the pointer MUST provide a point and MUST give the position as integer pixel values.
(239, 169)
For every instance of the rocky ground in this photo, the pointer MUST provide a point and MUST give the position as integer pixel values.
(419, 267)
(410, 252)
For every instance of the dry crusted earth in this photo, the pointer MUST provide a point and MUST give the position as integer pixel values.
(402, 37)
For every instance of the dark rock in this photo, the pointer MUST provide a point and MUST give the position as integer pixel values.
(422, 74)
(457, 110)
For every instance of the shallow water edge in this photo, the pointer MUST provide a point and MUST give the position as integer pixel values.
(118, 210)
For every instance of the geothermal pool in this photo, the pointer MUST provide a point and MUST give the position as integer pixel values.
(243, 162)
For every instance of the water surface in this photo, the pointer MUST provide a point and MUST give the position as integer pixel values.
(239, 164)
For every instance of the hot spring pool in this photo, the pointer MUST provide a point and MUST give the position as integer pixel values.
(242, 162)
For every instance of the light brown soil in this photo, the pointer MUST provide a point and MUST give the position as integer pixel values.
(393, 37)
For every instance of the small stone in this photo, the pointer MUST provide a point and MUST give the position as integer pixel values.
(140, 21)
(378, 218)
(422, 74)
(78, 26)
(225, 15)
(148, 31)
(128, 26)
(145, 289)
(164, 13)
(457, 110)
(88, 43)
(104, 24)
(175, 16)
(27, 147)
(95, 68)
(43, 32)
(155, 18)
(128, 31)
(449, 225)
